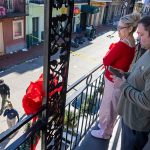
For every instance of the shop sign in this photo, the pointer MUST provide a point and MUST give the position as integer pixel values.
(76, 11)
(99, 4)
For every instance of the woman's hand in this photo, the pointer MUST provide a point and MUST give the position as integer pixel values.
(118, 81)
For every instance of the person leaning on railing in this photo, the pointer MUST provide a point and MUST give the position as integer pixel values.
(120, 56)
(134, 102)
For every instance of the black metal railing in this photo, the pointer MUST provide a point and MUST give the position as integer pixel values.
(81, 112)
(82, 107)
(12, 8)
(29, 134)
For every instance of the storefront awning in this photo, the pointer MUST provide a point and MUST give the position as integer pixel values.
(89, 9)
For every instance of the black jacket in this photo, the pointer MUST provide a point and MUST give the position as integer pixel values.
(4, 89)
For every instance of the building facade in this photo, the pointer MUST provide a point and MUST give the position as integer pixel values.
(97, 18)
(12, 26)
(112, 11)
(79, 19)
(35, 22)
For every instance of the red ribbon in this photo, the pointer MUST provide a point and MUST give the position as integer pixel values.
(32, 100)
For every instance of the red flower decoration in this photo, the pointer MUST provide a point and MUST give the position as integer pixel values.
(32, 100)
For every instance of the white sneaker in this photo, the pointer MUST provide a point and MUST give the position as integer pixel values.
(98, 134)
(99, 126)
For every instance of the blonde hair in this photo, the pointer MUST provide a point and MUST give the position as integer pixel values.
(10, 104)
(131, 20)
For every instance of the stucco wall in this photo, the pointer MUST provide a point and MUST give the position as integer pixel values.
(35, 10)
(10, 44)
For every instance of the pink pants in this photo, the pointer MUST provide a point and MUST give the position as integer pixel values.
(108, 108)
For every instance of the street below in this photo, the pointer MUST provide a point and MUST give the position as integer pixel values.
(82, 60)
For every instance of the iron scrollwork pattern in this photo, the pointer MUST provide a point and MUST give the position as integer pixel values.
(58, 22)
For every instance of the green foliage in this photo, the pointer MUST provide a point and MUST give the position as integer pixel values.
(71, 119)
(88, 105)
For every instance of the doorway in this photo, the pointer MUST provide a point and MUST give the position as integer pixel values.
(35, 30)
(1, 41)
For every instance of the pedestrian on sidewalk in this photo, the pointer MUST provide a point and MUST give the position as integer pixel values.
(120, 56)
(134, 102)
(5, 93)
(11, 114)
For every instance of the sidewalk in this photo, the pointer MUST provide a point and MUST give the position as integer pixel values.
(9, 60)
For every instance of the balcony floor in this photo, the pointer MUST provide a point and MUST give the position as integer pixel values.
(91, 143)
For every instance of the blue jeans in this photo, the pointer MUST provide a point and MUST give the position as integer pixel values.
(131, 139)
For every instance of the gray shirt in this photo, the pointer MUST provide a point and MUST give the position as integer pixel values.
(134, 102)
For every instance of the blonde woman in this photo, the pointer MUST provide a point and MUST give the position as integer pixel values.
(120, 56)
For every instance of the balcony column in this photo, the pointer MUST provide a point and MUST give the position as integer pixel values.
(58, 25)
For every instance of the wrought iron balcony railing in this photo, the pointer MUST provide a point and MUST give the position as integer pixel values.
(82, 107)
(10, 8)
(81, 112)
